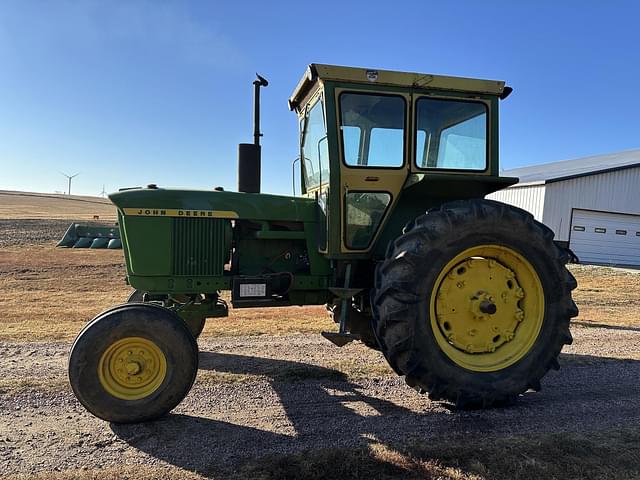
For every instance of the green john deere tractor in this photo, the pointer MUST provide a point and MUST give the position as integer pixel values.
(468, 299)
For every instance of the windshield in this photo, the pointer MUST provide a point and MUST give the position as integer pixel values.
(315, 153)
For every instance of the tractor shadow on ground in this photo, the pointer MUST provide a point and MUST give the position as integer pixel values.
(323, 409)
(320, 406)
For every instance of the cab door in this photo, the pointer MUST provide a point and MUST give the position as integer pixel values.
(373, 131)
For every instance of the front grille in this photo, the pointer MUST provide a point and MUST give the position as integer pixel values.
(198, 247)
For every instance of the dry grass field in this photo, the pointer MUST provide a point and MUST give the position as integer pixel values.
(273, 400)
(41, 283)
(23, 205)
(49, 293)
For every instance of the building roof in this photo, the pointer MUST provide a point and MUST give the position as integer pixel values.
(579, 167)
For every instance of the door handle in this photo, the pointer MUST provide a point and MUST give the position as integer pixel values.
(371, 179)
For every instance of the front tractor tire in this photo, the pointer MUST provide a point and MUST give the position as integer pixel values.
(473, 303)
(133, 363)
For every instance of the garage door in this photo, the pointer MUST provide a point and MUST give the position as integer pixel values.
(605, 238)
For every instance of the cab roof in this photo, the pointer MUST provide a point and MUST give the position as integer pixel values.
(335, 73)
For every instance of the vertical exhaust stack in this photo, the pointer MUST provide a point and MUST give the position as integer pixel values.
(249, 153)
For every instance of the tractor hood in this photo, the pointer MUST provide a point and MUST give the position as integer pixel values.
(160, 202)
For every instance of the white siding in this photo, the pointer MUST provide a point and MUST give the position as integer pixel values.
(528, 197)
(617, 192)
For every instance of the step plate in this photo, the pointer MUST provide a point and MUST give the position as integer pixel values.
(340, 339)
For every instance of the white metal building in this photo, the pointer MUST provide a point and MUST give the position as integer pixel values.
(592, 204)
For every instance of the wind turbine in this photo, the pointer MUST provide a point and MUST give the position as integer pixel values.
(70, 177)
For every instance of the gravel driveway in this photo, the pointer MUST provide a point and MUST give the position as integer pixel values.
(263, 394)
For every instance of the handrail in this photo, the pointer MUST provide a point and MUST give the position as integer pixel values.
(293, 173)
(320, 164)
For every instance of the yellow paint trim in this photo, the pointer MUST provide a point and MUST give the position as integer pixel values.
(373, 76)
(502, 276)
(182, 213)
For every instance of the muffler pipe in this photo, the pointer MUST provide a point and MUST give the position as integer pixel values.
(249, 154)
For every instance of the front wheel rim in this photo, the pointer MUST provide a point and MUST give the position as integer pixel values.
(132, 368)
(487, 308)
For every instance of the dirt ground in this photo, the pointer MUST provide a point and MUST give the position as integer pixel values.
(273, 399)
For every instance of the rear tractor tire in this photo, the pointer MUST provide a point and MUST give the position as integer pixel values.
(473, 302)
(133, 363)
(195, 324)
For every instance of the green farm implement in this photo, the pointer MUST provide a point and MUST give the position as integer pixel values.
(91, 236)
(467, 298)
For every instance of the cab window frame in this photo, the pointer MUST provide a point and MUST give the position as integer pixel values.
(405, 130)
(317, 98)
(489, 133)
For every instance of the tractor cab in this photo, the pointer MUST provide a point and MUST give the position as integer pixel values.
(379, 147)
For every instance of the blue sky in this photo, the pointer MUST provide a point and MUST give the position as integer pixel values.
(134, 92)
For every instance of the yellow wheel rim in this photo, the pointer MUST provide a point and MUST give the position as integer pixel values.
(132, 368)
(487, 308)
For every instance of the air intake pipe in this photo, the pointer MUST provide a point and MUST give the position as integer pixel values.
(249, 153)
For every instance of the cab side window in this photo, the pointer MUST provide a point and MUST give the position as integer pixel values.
(451, 134)
(364, 214)
(315, 152)
(372, 130)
